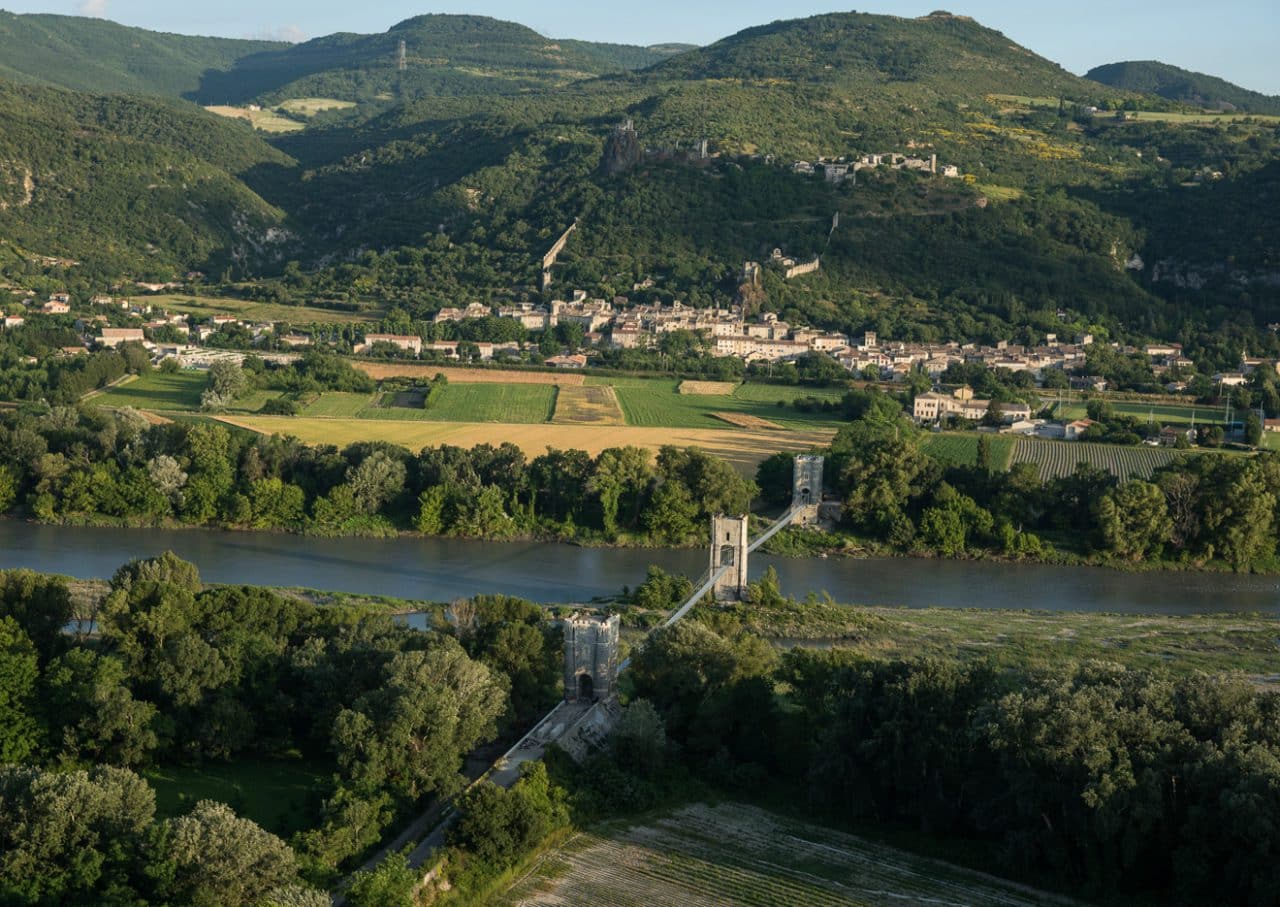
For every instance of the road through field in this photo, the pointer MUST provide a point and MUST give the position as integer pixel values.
(743, 448)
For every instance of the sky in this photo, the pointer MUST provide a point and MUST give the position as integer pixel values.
(1234, 39)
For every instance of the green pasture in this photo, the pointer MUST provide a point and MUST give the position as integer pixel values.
(157, 391)
(658, 403)
(283, 796)
(962, 449)
(1160, 413)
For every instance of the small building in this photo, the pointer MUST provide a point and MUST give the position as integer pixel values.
(574, 360)
(113, 337)
(410, 343)
(56, 307)
(14, 321)
(1074, 431)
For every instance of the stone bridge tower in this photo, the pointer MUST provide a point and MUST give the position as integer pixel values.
(730, 539)
(590, 657)
(806, 490)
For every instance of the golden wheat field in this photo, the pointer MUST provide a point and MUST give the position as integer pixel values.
(380, 370)
(587, 405)
(744, 449)
(708, 388)
(743, 420)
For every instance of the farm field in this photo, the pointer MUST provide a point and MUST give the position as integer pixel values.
(1059, 458)
(207, 306)
(710, 388)
(309, 107)
(744, 449)
(1213, 643)
(456, 375)
(962, 449)
(1163, 413)
(651, 402)
(171, 393)
(490, 403)
(266, 120)
(587, 405)
(730, 854)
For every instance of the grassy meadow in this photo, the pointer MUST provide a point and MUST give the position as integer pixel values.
(208, 306)
(281, 796)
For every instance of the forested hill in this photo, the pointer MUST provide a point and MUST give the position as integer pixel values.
(953, 56)
(131, 185)
(101, 56)
(446, 54)
(1183, 86)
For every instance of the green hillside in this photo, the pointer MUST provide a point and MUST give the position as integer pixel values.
(130, 185)
(944, 55)
(445, 54)
(1183, 86)
(101, 56)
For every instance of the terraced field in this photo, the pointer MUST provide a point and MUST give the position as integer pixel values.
(1059, 458)
(737, 855)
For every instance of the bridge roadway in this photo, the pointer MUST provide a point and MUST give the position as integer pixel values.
(431, 828)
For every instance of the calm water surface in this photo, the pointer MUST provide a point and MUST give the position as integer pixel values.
(444, 569)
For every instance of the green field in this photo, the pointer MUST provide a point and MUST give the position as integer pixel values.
(177, 392)
(1059, 458)
(281, 796)
(731, 854)
(207, 306)
(1159, 413)
(658, 403)
(337, 405)
(962, 449)
(514, 403)
(159, 391)
(520, 403)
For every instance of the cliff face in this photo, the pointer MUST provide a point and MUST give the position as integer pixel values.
(622, 152)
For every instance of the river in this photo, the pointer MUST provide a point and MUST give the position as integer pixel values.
(445, 569)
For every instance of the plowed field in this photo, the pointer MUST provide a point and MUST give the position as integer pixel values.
(737, 855)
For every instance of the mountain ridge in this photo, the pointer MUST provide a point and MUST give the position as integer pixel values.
(1183, 86)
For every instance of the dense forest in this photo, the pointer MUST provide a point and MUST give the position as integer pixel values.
(182, 673)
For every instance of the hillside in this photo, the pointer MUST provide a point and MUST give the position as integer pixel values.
(950, 56)
(1183, 86)
(445, 54)
(101, 56)
(131, 185)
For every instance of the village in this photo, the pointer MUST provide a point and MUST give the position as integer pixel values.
(1056, 363)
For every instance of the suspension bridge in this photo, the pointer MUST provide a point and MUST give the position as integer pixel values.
(583, 718)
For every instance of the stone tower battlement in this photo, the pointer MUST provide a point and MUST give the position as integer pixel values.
(590, 657)
(806, 490)
(730, 539)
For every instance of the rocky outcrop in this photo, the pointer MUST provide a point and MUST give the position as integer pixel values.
(622, 151)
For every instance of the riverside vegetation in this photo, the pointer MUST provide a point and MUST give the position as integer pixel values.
(902, 491)
(1101, 770)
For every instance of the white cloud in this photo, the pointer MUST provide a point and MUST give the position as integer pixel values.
(95, 8)
(291, 33)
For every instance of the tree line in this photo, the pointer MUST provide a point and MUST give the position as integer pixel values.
(1211, 508)
(183, 673)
